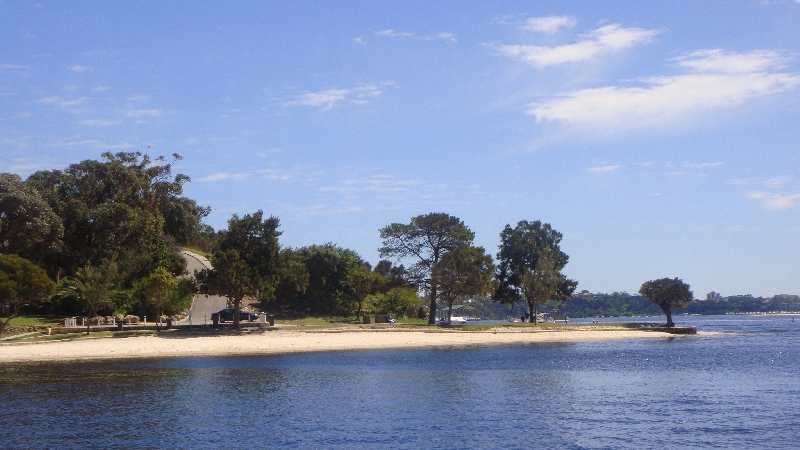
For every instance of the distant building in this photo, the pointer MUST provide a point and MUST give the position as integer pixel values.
(713, 296)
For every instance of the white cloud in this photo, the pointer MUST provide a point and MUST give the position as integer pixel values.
(328, 98)
(59, 101)
(669, 99)
(447, 36)
(359, 40)
(392, 33)
(604, 40)
(603, 169)
(718, 61)
(703, 165)
(774, 201)
(77, 68)
(5, 67)
(94, 143)
(137, 113)
(99, 122)
(777, 182)
(221, 176)
(550, 24)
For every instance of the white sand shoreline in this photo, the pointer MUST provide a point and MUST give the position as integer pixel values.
(297, 341)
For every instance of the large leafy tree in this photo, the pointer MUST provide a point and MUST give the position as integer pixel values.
(230, 277)
(93, 286)
(22, 283)
(540, 284)
(159, 288)
(27, 224)
(363, 282)
(462, 272)
(521, 250)
(255, 239)
(247, 262)
(425, 240)
(328, 267)
(114, 208)
(667, 293)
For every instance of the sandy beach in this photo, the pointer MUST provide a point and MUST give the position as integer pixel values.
(297, 341)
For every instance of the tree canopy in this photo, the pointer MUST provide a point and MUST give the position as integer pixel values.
(667, 293)
(424, 240)
(462, 272)
(22, 283)
(519, 273)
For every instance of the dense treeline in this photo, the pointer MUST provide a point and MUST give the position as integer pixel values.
(621, 304)
(109, 233)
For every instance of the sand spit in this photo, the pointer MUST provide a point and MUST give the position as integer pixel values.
(284, 341)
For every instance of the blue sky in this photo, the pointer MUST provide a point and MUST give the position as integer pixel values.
(661, 138)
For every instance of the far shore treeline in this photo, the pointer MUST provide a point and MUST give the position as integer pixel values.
(104, 238)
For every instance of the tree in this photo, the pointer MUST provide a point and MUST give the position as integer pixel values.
(521, 250)
(93, 286)
(114, 208)
(363, 282)
(667, 294)
(160, 287)
(328, 267)
(255, 239)
(22, 283)
(539, 285)
(425, 240)
(230, 277)
(460, 273)
(27, 224)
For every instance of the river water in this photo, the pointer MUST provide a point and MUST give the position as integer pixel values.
(737, 389)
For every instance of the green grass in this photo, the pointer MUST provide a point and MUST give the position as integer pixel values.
(30, 321)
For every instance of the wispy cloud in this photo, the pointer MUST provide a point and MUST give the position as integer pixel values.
(716, 83)
(99, 122)
(776, 182)
(327, 99)
(61, 102)
(98, 144)
(139, 113)
(77, 68)
(374, 183)
(222, 176)
(550, 24)
(774, 201)
(445, 35)
(705, 165)
(604, 40)
(603, 169)
(13, 67)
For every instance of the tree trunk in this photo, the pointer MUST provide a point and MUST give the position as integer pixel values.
(237, 304)
(670, 323)
(450, 312)
(432, 314)
(531, 308)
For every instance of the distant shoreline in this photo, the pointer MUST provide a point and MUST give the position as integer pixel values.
(168, 345)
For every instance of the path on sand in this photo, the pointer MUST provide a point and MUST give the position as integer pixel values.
(202, 305)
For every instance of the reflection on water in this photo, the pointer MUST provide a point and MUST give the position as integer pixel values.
(733, 390)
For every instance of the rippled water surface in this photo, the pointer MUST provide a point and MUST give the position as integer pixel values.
(739, 389)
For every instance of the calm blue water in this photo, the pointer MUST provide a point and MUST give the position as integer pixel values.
(740, 389)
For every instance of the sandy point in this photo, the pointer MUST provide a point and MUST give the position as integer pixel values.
(176, 344)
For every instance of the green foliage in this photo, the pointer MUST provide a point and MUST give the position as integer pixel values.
(255, 240)
(398, 301)
(93, 287)
(115, 208)
(667, 294)
(363, 282)
(27, 224)
(328, 267)
(22, 283)
(530, 264)
(462, 272)
(424, 240)
(231, 277)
